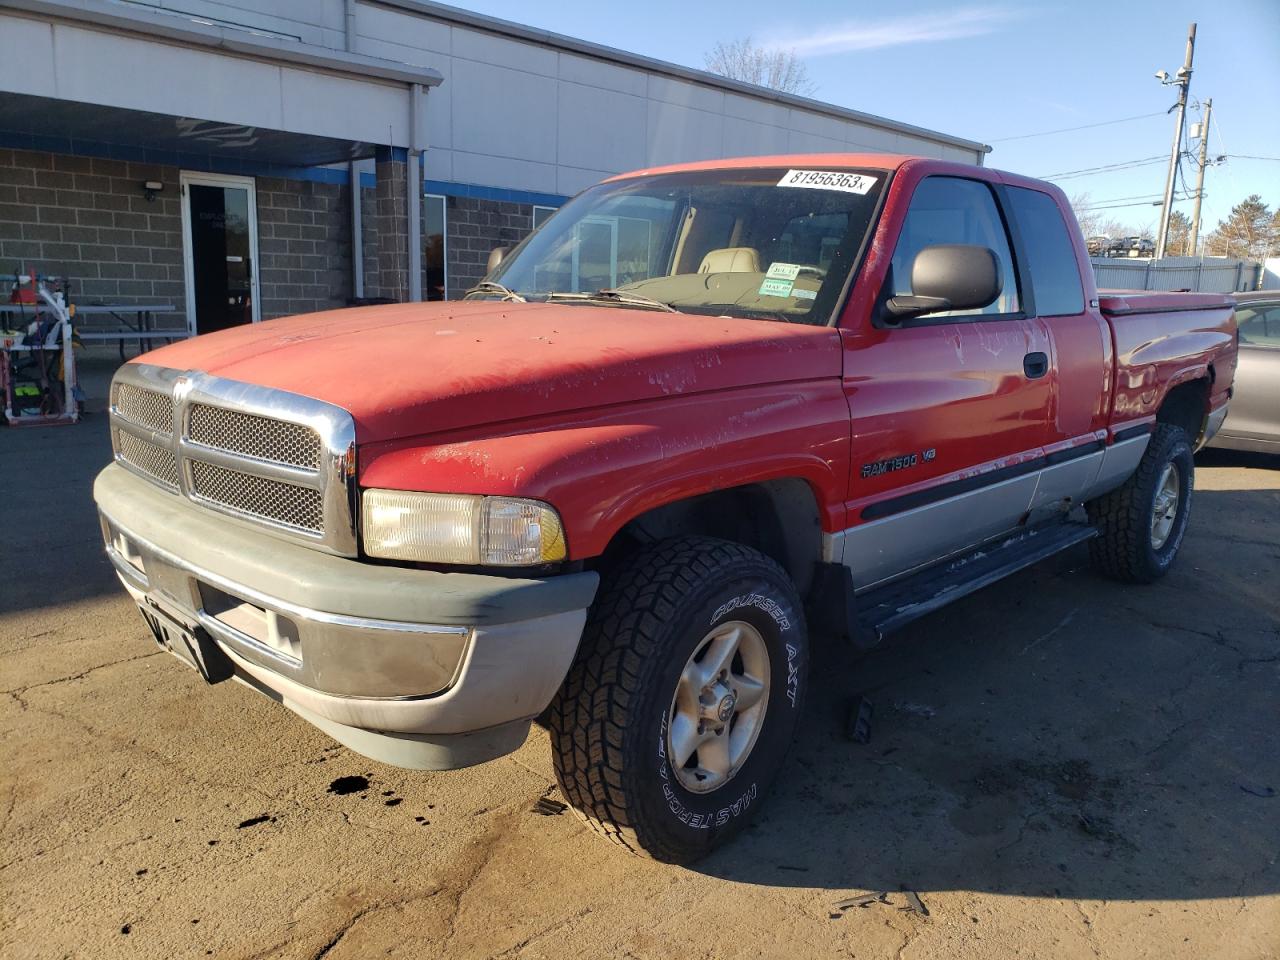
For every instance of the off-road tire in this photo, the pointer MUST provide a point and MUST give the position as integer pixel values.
(609, 720)
(1123, 550)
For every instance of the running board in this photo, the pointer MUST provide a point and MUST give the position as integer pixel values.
(887, 609)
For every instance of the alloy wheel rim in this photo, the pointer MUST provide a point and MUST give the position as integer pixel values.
(719, 706)
(1165, 508)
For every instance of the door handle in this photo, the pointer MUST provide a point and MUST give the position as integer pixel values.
(1035, 365)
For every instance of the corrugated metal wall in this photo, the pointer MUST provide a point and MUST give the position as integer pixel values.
(1210, 274)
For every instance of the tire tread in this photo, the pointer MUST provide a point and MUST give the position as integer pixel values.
(592, 713)
(1121, 516)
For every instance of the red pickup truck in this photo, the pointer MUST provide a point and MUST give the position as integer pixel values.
(704, 413)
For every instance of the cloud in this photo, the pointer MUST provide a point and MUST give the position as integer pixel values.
(853, 35)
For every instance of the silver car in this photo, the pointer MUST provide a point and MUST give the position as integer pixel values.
(1253, 422)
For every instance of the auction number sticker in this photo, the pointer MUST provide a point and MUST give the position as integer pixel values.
(828, 180)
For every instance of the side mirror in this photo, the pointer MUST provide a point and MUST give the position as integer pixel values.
(496, 256)
(949, 276)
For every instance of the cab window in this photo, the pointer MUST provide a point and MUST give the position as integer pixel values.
(954, 210)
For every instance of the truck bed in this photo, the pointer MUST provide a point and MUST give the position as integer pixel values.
(1158, 347)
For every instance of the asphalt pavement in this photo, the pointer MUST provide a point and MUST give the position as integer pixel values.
(1059, 766)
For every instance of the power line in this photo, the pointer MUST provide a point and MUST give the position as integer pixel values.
(1136, 196)
(1104, 168)
(1086, 126)
(1141, 203)
(1136, 200)
(1246, 156)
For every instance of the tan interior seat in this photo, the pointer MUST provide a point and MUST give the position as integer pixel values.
(731, 260)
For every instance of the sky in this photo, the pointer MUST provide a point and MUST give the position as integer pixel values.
(997, 72)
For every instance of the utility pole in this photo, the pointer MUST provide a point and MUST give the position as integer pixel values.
(1204, 150)
(1182, 80)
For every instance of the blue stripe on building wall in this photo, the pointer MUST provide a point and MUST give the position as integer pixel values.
(212, 163)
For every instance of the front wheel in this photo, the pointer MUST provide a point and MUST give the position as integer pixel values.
(684, 697)
(1141, 524)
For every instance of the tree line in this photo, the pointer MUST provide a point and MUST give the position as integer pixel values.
(1251, 231)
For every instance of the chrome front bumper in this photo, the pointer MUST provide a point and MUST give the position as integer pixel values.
(412, 667)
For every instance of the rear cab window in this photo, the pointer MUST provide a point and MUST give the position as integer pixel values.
(1051, 256)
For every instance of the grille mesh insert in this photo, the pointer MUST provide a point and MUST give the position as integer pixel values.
(147, 457)
(252, 436)
(146, 407)
(284, 503)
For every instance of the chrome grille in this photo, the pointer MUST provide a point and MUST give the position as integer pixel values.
(273, 500)
(264, 456)
(262, 438)
(147, 457)
(147, 407)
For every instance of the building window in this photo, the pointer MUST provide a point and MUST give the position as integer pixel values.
(540, 215)
(434, 256)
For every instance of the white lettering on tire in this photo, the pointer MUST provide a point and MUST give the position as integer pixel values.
(757, 601)
(698, 821)
(793, 674)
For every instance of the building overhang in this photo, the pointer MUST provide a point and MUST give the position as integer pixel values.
(137, 76)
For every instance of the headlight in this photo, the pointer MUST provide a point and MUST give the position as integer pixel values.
(451, 528)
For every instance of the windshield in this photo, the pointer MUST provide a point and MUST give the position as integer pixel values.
(760, 243)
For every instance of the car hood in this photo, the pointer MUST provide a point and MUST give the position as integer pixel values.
(412, 369)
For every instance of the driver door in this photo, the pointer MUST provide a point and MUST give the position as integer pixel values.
(949, 411)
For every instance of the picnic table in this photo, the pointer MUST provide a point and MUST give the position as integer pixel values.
(141, 327)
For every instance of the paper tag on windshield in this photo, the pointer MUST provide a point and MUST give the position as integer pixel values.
(783, 271)
(800, 293)
(828, 180)
(775, 288)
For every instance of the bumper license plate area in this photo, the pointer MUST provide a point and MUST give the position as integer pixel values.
(189, 642)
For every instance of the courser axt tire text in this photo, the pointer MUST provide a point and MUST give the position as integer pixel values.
(698, 608)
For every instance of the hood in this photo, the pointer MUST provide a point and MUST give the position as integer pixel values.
(423, 368)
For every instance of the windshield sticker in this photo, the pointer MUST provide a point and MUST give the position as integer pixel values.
(802, 294)
(783, 271)
(773, 287)
(828, 180)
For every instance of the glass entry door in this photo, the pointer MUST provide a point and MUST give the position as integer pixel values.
(220, 248)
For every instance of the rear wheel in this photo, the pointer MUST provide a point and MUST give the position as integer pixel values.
(1142, 523)
(684, 697)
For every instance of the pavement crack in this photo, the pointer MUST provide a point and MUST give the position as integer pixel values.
(1088, 925)
(1065, 621)
(1022, 832)
(545, 931)
(369, 909)
(489, 843)
(17, 691)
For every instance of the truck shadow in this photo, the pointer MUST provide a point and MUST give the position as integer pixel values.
(1055, 735)
(1213, 457)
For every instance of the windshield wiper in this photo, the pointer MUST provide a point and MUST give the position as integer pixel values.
(621, 297)
(492, 286)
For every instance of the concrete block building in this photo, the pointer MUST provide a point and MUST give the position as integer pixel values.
(245, 159)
